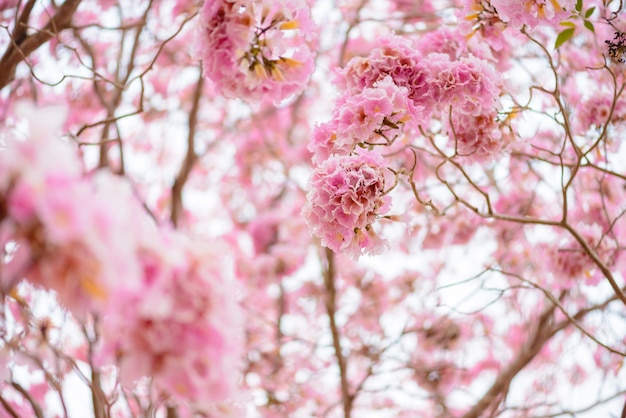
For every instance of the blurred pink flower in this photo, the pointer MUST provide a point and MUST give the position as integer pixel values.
(246, 52)
(533, 13)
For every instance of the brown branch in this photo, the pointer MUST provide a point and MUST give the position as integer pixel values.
(22, 46)
(33, 403)
(171, 412)
(353, 24)
(572, 413)
(331, 295)
(575, 319)
(190, 157)
(21, 24)
(123, 81)
(98, 397)
(8, 407)
(542, 333)
(525, 219)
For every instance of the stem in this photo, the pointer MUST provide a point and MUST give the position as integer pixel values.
(190, 158)
(8, 407)
(33, 403)
(331, 294)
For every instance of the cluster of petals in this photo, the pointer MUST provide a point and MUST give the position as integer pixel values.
(438, 84)
(468, 91)
(479, 21)
(188, 342)
(256, 49)
(434, 81)
(346, 194)
(533, 13)
(599, 110)
(70, 236)
(395, 86)
(396, 57)
(373, 116)
(570, 262)
(468, 85)
(476, 138)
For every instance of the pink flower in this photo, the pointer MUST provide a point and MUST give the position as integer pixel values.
(374, 116)
(181, 325)
(469, 85)
(247, 53)
(397, 58)
(345, 198)
(594, 112)
(533, 13)
(81, 246)
(435, 81)
(570, 262)
(476, 138)
(324, 142)
(442, 41)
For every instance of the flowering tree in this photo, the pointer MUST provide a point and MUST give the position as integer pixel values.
(304, 208)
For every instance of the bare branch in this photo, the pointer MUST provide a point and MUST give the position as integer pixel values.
(22, 46)
(331, 295)
(190, 157)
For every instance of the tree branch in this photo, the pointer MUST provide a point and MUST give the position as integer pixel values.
(33, 403)
(190, 157)
(542, 333)
(22, 46)
(331, 294)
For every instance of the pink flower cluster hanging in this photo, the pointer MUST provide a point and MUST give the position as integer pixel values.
(167, 307)
(389, 95)
(257, 50)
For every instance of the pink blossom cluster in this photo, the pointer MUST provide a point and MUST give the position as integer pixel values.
(395, 89)
(533, 13)
(479, 21)
(66, 231)
(180, 324)
(476, 138)
(570, 263)
(374, 116)
(434, 80)
(469, 85)
(594, 111)
(346, 195)
(397, 84)
(396, 57)
(257, 49)
(468, 91)
(166, 302)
